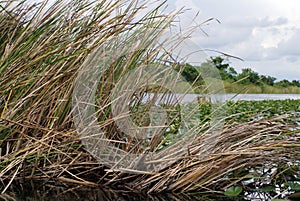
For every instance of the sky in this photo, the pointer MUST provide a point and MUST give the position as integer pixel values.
(264, 33)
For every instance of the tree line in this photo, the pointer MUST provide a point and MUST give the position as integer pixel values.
(245, 77)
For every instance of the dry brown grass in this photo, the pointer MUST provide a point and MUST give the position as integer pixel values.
(61, 157)
(39, 62)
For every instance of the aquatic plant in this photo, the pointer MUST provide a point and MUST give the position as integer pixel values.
(42, 49)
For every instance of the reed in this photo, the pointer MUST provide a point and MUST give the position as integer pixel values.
(42, 50)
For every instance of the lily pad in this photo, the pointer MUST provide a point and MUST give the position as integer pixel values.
(280, 200)
(233, 191)
(295, 186)
(267, 189)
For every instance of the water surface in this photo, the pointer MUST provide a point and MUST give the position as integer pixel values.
(187, 98)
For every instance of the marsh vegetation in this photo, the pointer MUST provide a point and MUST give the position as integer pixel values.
(42, 49)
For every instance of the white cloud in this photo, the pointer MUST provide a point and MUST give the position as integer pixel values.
(265, 33)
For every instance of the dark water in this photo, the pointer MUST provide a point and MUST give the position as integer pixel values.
(52, 190)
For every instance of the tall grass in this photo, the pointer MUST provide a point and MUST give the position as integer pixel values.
(259, 89)
(42, 50)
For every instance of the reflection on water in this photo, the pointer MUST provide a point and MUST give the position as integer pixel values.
(52, 190)
(57, 191)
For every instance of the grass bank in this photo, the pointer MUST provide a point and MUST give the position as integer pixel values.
(259, 89)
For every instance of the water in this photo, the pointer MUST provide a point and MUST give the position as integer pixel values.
(258, 97)
(187, 98)
(54, 190)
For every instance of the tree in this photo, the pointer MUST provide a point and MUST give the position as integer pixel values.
(189, 72)
(267, 80)
(248, 76)
(226, 72)
(283, 83)
(296, 83)
(232, 72)
(218, 61)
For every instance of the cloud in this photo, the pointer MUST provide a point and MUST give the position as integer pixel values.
(288, 49)
(265, 33)
(255, 22)
(291, 46)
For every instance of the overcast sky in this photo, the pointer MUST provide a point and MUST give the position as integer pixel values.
(265, 33)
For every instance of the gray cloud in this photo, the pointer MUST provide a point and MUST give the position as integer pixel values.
(264, 33)
(255, 22)
(288, 49)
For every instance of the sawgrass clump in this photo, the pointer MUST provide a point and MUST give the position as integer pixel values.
(42, 49)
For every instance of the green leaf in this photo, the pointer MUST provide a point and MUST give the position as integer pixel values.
(279, 200)
(293, 185)
(233, 191)
(267, 188)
